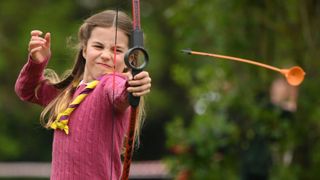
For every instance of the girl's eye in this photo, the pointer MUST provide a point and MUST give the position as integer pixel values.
(118, 50)
(98, 46)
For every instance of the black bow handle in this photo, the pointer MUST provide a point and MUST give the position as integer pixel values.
(136, 59)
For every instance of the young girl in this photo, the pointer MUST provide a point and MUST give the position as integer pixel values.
(88, 109)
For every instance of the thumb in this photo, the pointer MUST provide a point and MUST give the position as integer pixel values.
(47, 37)
(128, 75)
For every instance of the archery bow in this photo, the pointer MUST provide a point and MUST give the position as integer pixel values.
(137, 59)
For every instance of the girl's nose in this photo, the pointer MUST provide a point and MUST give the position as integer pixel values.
(107, 55)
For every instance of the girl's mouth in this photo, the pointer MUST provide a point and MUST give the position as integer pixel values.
(105, 65)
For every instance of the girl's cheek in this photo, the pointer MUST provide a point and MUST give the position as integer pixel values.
(120, 59)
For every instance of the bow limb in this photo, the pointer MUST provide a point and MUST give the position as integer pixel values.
(129, 143)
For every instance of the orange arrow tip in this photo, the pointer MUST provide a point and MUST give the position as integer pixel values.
(294, 75)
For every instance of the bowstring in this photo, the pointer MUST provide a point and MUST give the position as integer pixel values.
(113, 91)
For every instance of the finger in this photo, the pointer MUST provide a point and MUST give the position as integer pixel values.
(36, 33)
(141, 75)
(37, 41)
(138, 89)
(141, 93)
(34, 50)
(134, 82)
(34, 44)
(37, 38)
(47, 37)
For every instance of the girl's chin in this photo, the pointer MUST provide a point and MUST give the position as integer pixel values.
(104, 73)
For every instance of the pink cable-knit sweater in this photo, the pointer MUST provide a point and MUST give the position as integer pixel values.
(88, 152)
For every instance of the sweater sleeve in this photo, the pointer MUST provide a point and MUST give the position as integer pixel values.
(31, 85)
(115, 87)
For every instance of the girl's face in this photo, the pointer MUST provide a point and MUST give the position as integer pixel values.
(99, 52)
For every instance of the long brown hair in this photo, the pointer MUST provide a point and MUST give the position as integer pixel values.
(67, 86)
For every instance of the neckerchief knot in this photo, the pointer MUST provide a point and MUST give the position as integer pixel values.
(62, 119)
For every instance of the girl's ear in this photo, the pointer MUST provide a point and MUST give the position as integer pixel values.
(84, 51)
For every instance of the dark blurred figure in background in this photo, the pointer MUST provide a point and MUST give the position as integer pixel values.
(256, 155)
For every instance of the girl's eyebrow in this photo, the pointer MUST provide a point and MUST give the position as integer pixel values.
(118, 46)
(97, 42)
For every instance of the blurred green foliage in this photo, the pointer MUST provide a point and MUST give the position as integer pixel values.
(217, 114)
(234, 129)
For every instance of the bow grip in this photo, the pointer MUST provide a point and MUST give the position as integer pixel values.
(134, 100)
(141, 58)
